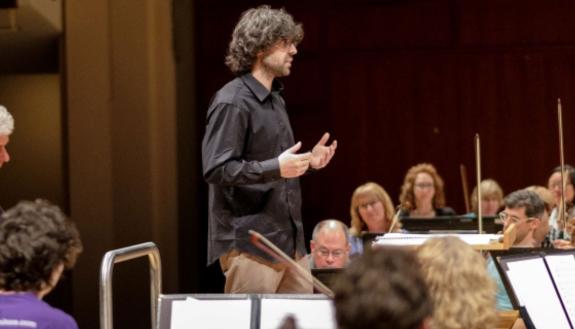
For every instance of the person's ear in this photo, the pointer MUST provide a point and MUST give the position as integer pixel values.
(312, 245)
(534, 223)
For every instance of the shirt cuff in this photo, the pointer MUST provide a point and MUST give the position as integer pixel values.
(271, 169)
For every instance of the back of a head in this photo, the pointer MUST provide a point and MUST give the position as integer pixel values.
(382, 289)
(462, 291)
(35, 238)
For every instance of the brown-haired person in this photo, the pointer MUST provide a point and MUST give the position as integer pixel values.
(251, 161)
(422, 194)
(382, 289)
(37, 243)
(460, 287)
(371, 210)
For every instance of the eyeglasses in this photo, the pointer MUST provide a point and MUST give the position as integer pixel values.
(424, 185)
(514, 219)
(368, 204)
(324, 252)
(557, 185)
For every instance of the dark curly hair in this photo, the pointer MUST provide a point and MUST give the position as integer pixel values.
(35, 237)
(258, 30)
(382, 289)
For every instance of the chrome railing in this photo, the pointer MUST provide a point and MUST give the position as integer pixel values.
(106, 270)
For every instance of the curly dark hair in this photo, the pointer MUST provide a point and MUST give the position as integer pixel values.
(382, 289)
(258, 30)
(35, 238)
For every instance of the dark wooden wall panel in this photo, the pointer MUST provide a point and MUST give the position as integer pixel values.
(403, 82)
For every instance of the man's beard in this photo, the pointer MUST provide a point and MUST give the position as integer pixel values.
(277, 70)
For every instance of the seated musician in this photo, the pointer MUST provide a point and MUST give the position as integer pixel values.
(491, 198)
(461, 290)
(422, 194)
(382, 289)
(527, 211)
(371, 210)
(37, 243)
(569, 230)
(557, 231)
(329, 245)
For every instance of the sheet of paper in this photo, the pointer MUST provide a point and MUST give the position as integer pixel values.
(417, 239)
(562, 268)
(309, 314)
(533, 286)
(211, 314)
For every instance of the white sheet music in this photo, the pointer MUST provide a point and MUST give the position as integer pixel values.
(410, 239)
(309, 314)
(533, 285)
(562, 268)
(211, 314)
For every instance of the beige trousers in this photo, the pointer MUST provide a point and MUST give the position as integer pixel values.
(249, 274)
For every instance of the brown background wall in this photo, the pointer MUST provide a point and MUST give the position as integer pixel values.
(403, 82)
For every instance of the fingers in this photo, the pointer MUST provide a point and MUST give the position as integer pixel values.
(323, 139)
(294, 165)
(333, 146)
(295, 147)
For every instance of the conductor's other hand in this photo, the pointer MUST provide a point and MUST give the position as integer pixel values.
(321, 153)
(293, 164)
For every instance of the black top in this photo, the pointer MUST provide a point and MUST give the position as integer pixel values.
(247, 129)
(445, 211)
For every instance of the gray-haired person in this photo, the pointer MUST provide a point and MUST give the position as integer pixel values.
(6, 129)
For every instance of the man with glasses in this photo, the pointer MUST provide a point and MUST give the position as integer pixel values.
(330, 245)
(527, 211)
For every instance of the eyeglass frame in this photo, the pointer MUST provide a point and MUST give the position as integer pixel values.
(424, 185)
(502, 215)
(324, 252)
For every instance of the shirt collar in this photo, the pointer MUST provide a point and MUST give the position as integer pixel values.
(258, 89)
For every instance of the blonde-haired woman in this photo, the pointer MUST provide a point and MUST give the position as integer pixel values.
(491, 198)
(422, 194)
(460, 287)
(371, 210)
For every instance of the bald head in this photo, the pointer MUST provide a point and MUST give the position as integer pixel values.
(330, 245)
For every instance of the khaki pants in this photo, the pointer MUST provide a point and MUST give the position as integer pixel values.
(249, 274)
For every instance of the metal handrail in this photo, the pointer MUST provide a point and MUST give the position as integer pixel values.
(106, 270)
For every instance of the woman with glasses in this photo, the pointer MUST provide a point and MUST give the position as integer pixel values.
(371, 211)
(422, 194)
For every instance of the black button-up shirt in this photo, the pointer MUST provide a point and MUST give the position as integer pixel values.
(247, 129)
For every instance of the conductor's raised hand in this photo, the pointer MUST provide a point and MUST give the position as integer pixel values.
(321, 153)
(293, 164)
